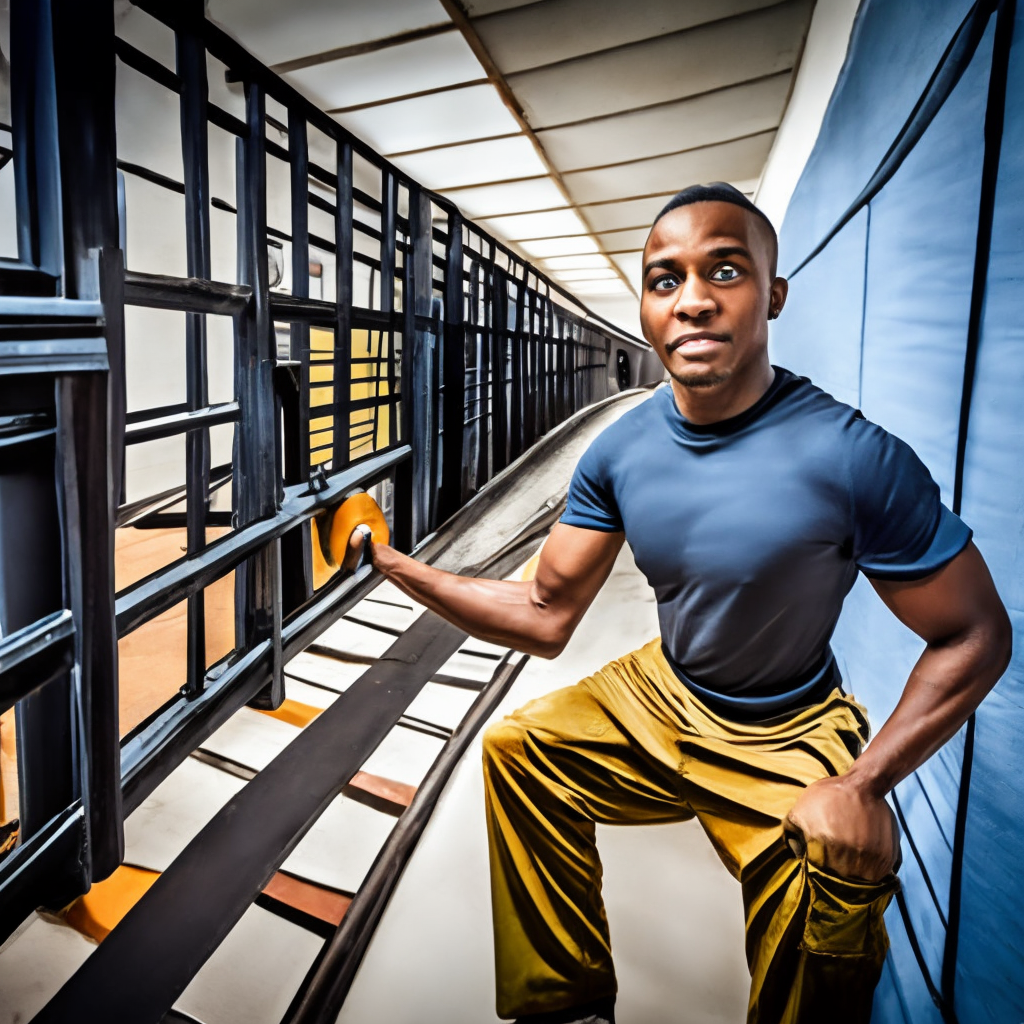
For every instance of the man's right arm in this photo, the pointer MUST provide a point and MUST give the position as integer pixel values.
(536, 616)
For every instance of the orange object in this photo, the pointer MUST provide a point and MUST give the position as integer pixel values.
(97, 912)
(294, 712)
(360, 508)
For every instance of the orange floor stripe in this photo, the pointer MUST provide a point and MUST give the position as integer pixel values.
(387, 789)
(97, 912)
(294, 712)
(323, 904)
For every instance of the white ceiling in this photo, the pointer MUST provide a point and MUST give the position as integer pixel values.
(562, 126)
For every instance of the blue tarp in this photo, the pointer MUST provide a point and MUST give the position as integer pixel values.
(881, 317)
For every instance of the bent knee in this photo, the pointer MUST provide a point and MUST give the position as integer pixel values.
(504, 741)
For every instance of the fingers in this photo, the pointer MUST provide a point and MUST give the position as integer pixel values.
(359, 538)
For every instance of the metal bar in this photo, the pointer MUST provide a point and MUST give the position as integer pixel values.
(191, 67)
(185, 294)
(343, 228)
(147, 960)
(164, 589)
(183, 422)
(255, 482)
(453, 373)
(499, 362)
(33, 655)
(324, 990)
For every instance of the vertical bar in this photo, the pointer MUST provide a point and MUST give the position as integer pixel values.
(90, 410)
(479, 290)
(516, 409)
(255, 481)
(531, 379)
(343, 316)
(297, 580)
(454, 371)
(499, 360)
(561, 372)
(191, 66)
(34, 123)
(413, 478)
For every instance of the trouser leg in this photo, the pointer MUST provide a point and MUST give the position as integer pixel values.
(552, 770)
(815, 942)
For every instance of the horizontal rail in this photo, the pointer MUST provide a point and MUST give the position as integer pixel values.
(178, 423)
(187, 576)
(185, 294)
(32, 656)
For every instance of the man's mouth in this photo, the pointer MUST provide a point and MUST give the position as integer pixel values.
(696, 341)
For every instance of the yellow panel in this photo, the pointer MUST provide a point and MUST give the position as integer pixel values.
(316, 458)
(321, 423)
(320, 374)
(320, 396)
(321, 340)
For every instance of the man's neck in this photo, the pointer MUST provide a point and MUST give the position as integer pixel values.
(702, 406)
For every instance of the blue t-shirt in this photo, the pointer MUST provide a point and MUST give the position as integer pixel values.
(751, 531)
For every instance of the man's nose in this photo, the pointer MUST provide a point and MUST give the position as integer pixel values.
(694, 299)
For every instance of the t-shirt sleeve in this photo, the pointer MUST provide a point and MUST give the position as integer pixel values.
(591, 502)
(901, 529)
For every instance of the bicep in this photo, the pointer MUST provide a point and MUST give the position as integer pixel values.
(574, 563)
(959, 598)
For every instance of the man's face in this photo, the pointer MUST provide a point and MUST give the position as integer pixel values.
(707, 292)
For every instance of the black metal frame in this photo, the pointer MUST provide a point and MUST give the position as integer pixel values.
(475, 358)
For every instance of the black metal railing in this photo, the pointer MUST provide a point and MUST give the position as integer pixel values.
(378, 339)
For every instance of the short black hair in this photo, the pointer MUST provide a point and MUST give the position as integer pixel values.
(717, 192)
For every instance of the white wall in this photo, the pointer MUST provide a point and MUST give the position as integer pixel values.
(823, 56)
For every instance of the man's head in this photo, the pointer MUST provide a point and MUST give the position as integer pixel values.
(710, 286)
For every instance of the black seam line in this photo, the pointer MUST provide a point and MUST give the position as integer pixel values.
(664, 103)
(603, 167)
(931, 807)
(915, 947)
(864, 306)
(408, 96)
(994, 116)
(673, 152)
(942, 82)
(920, 860)
(741, 16)
(462, 142)
(358, 49)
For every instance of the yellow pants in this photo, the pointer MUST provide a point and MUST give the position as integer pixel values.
(631, 745)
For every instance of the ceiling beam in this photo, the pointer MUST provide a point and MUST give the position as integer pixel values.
(407, 96)
(358, 49)
(457, 13)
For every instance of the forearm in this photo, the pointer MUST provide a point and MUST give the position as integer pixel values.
(499, 611)
(948, 682)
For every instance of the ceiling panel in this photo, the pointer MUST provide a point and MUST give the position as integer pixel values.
(632, 266)
(599, 274)
(477, 163)
(432, 120)
(584, 289)
(686, 124)
(631, 238)
(567, 245)
(516, 197)
(536, 225)
(630, 213)
(672, 67)
(557, 30)
(623, 310)
(430, 63)
(740, 159)
(480, 7)
(276, 32)
(592, 262)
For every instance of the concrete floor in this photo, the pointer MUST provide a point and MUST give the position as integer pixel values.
(676, 915)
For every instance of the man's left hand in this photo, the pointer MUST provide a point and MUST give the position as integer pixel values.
(845, 830)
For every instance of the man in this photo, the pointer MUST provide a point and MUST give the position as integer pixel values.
(750, 499)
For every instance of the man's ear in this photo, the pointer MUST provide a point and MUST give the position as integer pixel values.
(777, 297)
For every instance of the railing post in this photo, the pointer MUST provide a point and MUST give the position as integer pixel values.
(453, 372)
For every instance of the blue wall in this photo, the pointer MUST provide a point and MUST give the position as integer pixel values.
(881, 318)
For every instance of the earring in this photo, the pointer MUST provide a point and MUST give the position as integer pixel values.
(773, 314)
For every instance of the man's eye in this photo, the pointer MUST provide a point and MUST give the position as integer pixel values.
(664, 283)
(725, 273)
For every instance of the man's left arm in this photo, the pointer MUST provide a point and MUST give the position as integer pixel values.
(844, 822)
